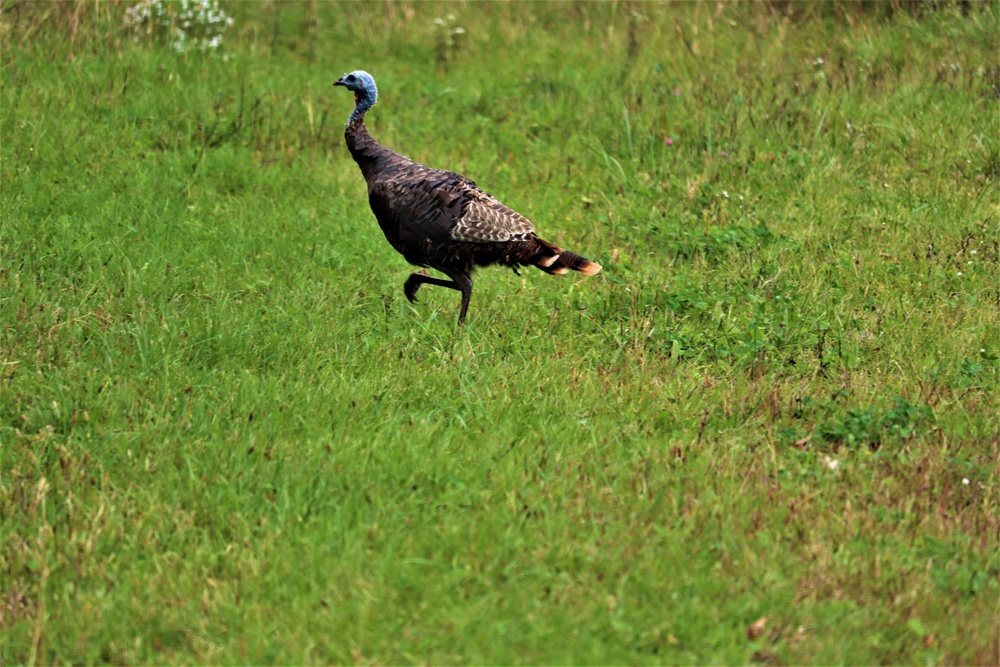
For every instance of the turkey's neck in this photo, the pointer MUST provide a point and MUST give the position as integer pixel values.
(367, 152)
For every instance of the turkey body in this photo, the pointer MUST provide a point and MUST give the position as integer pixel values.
(439, 219)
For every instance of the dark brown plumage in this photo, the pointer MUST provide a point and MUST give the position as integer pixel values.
(439, 219)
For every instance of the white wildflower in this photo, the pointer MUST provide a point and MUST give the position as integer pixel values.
(198, 24)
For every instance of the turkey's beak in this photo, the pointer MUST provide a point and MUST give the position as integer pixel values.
(340, 82)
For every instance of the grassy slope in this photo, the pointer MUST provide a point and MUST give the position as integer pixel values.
(227, 437)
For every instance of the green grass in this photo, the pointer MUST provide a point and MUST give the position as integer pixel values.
(228, 438)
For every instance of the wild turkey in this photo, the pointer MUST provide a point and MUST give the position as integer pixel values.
(440, 219)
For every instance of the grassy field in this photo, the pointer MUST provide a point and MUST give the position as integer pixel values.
(767, 432)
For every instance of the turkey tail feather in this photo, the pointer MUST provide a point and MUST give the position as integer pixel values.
(577, 263)
(562, 261)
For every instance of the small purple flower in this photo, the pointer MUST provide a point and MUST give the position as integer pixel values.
(669, 141)
(724, 153)
(677, 92)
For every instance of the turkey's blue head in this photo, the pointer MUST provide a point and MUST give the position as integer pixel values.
(365, 91)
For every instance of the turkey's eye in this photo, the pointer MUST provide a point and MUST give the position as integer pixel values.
(350, 77)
